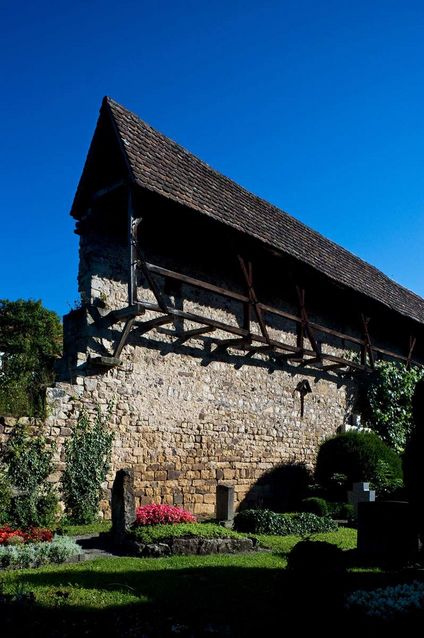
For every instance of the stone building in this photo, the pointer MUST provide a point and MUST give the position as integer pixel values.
(229, 335)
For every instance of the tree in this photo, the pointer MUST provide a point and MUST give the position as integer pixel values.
(30, 340)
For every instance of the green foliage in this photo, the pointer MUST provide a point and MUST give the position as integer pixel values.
(30, 340)
(357, 456)
(314, 505)
(341, 511)
(87, 455)
(388, 406)
(36, 554)
(5, 496)
(159, 533)
(28, 461)
(267, 522)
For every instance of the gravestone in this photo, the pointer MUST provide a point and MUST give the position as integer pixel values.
(123, 504)
(386, 531)
(224, 503)
(360, 493)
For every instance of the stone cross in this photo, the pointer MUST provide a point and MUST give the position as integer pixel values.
(360, 493)
(123, 504)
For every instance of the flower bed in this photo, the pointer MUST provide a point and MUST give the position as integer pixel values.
(162, 514)
(9, 536)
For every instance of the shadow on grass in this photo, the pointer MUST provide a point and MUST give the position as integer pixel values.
(191, 602)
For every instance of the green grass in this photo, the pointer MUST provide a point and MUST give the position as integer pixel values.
(345, 538)
(80, 530)
(159, 533)
(223, 595)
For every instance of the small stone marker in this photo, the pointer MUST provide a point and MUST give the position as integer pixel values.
(360, 493)
(123, 504)
(224, 502)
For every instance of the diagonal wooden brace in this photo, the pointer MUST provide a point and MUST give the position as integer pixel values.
(253, 300)
(305, 326)
(367, 347)
(412, 343)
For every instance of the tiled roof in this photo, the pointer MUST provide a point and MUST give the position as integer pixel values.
(160, 165)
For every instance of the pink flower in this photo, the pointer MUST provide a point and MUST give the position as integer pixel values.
(162, 514)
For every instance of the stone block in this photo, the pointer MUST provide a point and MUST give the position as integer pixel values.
(123, 504)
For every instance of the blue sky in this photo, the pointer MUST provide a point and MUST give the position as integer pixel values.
(316, 106)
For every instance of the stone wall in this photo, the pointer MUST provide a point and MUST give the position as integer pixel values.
(186, 418)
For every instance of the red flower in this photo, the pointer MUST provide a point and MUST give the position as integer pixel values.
(162, 514)
(32, 535)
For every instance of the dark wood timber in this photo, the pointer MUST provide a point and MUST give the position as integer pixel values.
(196, 332)
(147, 305)
(165, 272)
(145, 326)
(132, 244)
(253, 300)
(304, 323)
(412, 342)
(105, 362)
(367, 342)
(139, 308)
(124, 336)
(108, 189)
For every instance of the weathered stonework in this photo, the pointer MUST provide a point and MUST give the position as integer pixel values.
(185, 418)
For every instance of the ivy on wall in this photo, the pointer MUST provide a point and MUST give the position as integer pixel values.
(388, 402)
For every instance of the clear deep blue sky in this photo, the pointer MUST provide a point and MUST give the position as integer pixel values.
(315, 105)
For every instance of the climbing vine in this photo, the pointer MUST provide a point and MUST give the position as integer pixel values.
(388, 404)
(87, 455)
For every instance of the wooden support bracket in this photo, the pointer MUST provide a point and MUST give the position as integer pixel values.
(367, 347)
(412, 343)
(253, 300)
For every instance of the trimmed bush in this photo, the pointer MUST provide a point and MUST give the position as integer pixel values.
(316, 555)
(159, 533)
(162, 515)
(315, 505)
(267, 522)
(357, 456)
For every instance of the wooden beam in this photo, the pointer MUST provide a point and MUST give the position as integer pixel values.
(196, 332)
(219, 325)
(146, 326)
(104, 362)
(108, 189)
(198, 283)
(305, 325)
(164, 272)
(224, 344)
(124, 336)
(367, 343)
(312, 361)
(334, 366)
(253, 300)
(412, 343)
(132, 243)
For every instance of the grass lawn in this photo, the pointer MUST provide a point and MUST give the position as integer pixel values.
(187, 596)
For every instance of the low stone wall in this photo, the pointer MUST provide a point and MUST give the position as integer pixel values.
(187, 546)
